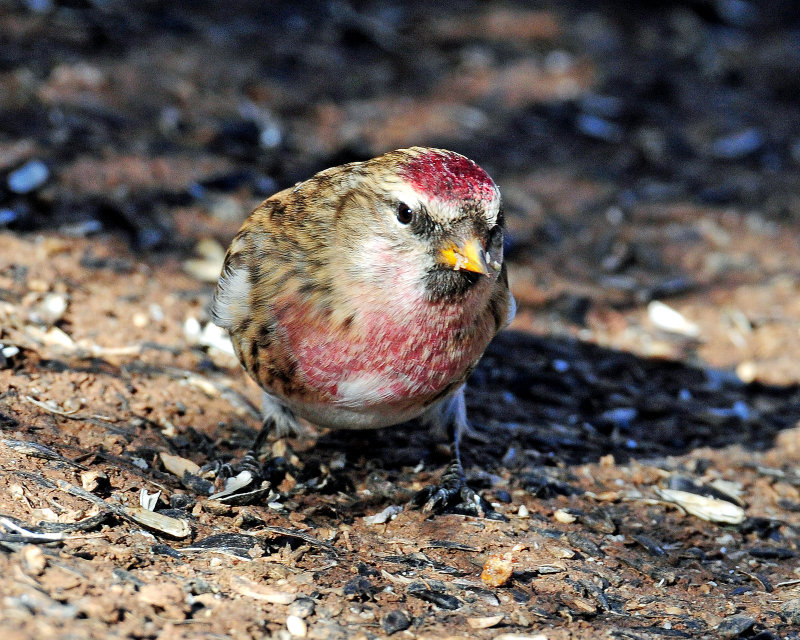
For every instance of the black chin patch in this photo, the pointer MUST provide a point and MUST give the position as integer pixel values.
(447, 284)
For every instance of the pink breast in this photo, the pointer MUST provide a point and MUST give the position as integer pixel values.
(389, 360)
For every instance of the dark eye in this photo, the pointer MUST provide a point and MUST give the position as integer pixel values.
(404, 213)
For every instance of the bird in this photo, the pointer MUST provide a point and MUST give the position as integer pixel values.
(364, 296)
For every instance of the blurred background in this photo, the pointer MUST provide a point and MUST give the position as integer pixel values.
(646, 151)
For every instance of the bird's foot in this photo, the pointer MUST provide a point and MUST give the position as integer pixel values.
(453, 495)
(223, 471)
(247, 480)
(243, 481)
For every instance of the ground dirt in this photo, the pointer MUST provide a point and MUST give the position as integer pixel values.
(636, 427)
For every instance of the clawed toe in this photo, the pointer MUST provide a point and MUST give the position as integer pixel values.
(241, 481)
(453, 495)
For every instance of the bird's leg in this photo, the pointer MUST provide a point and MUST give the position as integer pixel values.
(452, 494)
(248, 472)
(249, 462)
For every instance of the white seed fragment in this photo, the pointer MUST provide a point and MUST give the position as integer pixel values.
(710, 509)
(153, 520)
(389, 513)
(148, 500)
(484, 622)
(563, 516)
(668, 319)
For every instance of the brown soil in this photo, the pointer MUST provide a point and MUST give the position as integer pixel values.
(636, 169)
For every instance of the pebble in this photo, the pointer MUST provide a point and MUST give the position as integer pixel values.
(149, 238)
(497, 570)
(395, 621)
(33, 560)
(737, 13)
(302, 608)
(82, 228)
(620, 415)
(603, 105)
(791, 609)
(29, 177)
(9, 351)
(296, 626)
(270, 137)
(563, 516)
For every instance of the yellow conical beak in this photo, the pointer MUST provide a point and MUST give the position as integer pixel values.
(469, 256)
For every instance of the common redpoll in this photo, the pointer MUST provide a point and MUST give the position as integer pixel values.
(365, 296)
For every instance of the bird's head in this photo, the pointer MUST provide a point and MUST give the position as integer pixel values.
(429, 217)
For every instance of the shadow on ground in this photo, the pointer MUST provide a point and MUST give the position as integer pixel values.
(553, 401)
